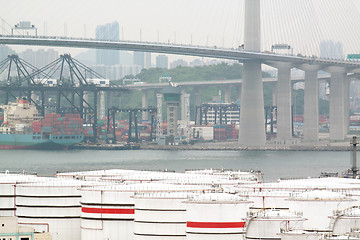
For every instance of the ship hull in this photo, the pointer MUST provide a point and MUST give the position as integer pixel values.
(30, 141)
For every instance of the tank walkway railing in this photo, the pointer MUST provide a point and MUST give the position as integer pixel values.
(269, 213)
(347, 211)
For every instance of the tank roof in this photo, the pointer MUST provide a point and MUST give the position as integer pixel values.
(216, 198)
(320, 195)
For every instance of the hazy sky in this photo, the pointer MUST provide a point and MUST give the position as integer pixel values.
(300, 23)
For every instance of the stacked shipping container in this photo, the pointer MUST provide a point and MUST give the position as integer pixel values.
(225, 132)
(55, 124)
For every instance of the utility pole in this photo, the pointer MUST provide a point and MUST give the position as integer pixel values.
(354, 168)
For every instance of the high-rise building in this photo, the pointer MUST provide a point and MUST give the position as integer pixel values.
(116, 72)
(162, 61)
(331, 49)
(108, 31)
(139, 59)
(40, 58)
(178, 63)
(142, 59)
(126, 58)
(5, 51)
(147, 60)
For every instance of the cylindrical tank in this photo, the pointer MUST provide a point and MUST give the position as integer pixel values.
(216, 216)
(108, 212)
(300, 235)
(344, 221)
(268, 199)
(160, 216)
(52, 206)
(96, 174)
(252, 176)
(8, 184)
(268, 223)
(318, 206)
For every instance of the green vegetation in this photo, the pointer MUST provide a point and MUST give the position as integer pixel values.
(206, 73)
(221, 71)
(182, 74)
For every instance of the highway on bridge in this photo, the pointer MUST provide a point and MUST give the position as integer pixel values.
(211, 52)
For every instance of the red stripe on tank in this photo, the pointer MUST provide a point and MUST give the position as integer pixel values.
(108, 210)
(216, 224)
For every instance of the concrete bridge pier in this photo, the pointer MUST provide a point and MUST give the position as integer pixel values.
(284, 131)
(228, 94)
(311, 103)
(347, 104)
(337, 103)
(144, 104)
(252, 117)
(197, 103)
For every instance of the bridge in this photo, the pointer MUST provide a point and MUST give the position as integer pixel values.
(251, 131)
(187, 50)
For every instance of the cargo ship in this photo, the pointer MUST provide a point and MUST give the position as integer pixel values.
(24, 128)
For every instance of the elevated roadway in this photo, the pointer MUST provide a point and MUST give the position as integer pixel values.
(144, 85)
(200, 51)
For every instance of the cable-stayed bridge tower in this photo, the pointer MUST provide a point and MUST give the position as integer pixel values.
(251, 129)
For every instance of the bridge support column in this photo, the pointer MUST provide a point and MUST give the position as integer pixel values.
(144, 104)
(311, 104)
(252, 117)
(228, 94)
(347, 104)
(197, 104)
(284, 126)
(337, 106)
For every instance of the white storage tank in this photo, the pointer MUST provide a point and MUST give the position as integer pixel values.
(268, 199)
(109, 212)
(216, 216)
(269, 223)
(8, 184)
(251, 176)
(160, 216)
(96, 174)
(300, 235)
(351, 236)
(318, 206)
(344, 221)
(52, 206)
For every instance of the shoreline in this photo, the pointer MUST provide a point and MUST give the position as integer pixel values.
(223, 146)
(233, 148)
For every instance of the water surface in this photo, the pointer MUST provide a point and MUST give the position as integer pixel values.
(274, 164)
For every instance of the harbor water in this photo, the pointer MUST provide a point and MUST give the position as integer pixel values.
(274, 164)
